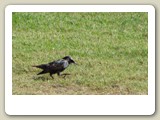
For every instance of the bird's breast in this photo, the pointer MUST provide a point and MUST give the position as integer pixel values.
(65, 65)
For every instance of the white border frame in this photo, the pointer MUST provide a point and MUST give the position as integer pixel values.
(79, 104)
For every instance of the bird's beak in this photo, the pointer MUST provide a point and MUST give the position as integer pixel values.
(74, 62)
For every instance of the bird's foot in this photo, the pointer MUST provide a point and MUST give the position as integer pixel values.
(65, 74)
(51, 76)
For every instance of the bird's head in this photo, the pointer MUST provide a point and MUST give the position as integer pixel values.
(69, 59)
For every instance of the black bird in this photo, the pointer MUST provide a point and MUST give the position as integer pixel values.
(56, 66)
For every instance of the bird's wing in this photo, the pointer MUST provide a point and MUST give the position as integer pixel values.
(59, 64)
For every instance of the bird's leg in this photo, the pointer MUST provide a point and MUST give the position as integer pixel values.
(65, 74)
(51, 75)
(59, 74)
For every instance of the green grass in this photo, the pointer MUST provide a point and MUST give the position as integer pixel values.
(111, 50)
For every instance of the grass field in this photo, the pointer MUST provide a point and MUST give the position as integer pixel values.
(111, 50)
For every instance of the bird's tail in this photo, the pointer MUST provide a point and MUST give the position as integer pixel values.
(37, 66)
(34, 65)
(43, 72)
(43, 66)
